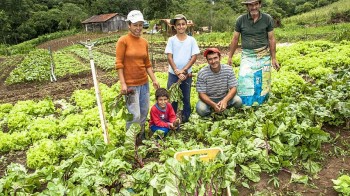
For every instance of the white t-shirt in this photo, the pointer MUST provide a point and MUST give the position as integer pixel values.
(182, 51)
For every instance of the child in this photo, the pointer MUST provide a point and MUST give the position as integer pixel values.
(181, 51)
(162, 113)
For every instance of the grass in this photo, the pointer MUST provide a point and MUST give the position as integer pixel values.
(319, 15)
(315, 25)
(294, 33)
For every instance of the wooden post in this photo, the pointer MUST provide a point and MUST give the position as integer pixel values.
(52, 67)
(89, 45)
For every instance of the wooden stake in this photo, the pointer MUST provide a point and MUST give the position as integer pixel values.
(89, 45)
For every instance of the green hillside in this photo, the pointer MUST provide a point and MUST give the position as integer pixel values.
(319, 15)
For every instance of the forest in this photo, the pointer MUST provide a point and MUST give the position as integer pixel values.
(22, 20)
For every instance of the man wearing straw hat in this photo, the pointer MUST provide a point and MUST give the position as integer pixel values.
(258, 53)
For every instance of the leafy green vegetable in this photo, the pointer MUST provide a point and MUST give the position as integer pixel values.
(175, 94)
(342, 184)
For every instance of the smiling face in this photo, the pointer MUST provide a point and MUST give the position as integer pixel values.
(180, 26)
(162, 101)
(136, 28)
(214, 61)
(254, 7)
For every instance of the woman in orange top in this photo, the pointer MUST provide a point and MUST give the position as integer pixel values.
(134, 67)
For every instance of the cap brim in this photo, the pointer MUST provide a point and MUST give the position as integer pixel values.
(137, 20)
(250, 2)
(215, 50)
(172, 21)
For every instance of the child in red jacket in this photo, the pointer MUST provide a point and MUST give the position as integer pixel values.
(162, 114)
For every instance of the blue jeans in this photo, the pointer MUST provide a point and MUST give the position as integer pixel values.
(204, 109)
(163, 129)
(185, 87)
(138, 105)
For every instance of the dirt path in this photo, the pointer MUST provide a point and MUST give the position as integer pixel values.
(63, 88)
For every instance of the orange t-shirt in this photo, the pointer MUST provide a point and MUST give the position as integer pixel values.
(132, 56)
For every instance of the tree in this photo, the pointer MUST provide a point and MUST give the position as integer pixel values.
(5, 27)
(286, 6)
(157, 9)
(69, 17)
(304, 7)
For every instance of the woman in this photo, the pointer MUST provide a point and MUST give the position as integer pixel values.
(134, 67)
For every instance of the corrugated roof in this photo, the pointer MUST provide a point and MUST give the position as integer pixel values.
(99, 18)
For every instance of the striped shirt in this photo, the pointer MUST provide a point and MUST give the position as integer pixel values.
(216, 85)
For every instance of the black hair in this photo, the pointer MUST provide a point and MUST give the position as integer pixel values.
(161, 92)
(212, 52)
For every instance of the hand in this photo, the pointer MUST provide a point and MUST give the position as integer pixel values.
(124, 89)
(222, 105)
(182, 76)
(177, 122)
(217, 108)
(229, 61)
(156, 84)
(275, 65)
(177, 71)
(171, 126)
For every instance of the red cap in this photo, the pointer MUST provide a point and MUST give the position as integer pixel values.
(215, 50)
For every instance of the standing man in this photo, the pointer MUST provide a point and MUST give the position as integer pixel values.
(216, 85)
(258, 53)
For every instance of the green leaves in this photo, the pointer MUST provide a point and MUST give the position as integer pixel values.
(35, 67)
(175, 94)
(193, 176)
(118, 108)
(342, 184)
(252, 172)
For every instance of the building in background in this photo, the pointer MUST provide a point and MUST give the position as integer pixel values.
(105, 23)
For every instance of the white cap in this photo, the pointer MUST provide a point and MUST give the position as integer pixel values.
(135, 16)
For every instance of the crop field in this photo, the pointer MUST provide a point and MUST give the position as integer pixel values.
(320, 15)
(295, 144)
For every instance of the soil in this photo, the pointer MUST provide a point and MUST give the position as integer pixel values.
(63, 88)
(332, 166)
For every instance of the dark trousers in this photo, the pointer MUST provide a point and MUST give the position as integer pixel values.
(185, 87)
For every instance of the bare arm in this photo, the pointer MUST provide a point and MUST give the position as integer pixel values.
(181, 73)
(204, 97)
(153, 77)
(272, 45)
(124, 87)
(233, 46)
(171, 62)
(190, 63)
(223, 103)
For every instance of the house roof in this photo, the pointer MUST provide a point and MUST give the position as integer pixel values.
(99, 18)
